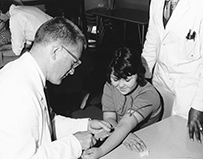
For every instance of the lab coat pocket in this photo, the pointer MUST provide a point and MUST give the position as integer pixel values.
(189, 50)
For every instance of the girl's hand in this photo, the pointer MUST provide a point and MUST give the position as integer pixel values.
(134, 143)
(92, 153)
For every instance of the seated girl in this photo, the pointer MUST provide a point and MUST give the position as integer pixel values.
(129, 103)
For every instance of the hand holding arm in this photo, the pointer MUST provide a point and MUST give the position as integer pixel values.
(96, 126)
(125, 125)
(86, 139)
(195, 124)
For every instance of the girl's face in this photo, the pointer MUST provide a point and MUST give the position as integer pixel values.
(124, 86)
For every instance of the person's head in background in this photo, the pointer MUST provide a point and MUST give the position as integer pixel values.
(4, 8)
(126, 71)
(57, 48)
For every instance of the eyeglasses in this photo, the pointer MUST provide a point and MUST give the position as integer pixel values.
(77, 62)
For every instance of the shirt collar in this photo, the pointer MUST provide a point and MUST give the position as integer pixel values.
(42, 77)
(12, 9)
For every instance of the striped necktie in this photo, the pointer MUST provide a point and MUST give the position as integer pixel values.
(169, 7)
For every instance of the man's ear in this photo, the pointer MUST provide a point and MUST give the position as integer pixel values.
(56, 50)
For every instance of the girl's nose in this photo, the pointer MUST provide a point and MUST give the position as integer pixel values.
(121, 83)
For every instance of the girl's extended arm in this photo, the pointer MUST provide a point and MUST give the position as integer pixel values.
(126, 124)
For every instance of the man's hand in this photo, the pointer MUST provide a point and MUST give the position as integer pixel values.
(86, 139)
(134, 143)
(96, 126)
(195, 124)
(102, 135)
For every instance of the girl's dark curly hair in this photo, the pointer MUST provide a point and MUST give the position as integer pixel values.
(126, 62)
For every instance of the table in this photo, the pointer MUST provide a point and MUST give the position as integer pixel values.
(139, 17)
(167, 139)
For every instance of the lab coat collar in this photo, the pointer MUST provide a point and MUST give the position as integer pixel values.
(181, 9)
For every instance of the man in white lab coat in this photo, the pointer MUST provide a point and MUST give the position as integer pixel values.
(25, 124)
(174, 53)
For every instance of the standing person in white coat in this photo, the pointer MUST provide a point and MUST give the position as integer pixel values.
(25, 124)
(23, 23)
(174, 54)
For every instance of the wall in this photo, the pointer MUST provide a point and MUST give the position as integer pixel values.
(37, 3)
(137, 4)
(89, 4)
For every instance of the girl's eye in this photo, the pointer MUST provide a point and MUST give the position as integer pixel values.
(127, 80)
(115, 79)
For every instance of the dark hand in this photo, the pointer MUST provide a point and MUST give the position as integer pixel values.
(195, 124)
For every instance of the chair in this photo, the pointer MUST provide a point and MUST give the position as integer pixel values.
(90, 34)
(4, 59)
(95, 35)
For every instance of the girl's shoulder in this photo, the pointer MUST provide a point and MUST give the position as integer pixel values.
(147, 87)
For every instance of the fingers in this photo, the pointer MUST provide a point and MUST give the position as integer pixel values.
(195, 129)
(195, 124)
(88, 152)
(89, 144)
(191, 131)
(106, 123)
(141, 143)
(135, 144)
(86, 139)
(106, 126)
(198, 131)
(199, 126)
(98, 125)
(93, 141)
(102, 135)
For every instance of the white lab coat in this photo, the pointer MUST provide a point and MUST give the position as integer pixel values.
(24, 120)
(177, 60)
(24, 22)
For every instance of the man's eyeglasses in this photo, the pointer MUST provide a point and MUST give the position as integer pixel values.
(77, 62)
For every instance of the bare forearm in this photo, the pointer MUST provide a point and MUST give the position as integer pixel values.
(115, 139)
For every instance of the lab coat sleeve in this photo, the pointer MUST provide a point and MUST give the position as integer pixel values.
(21, 129)
(197, 102)
(17, 28)
(64, 125)
(151, 43)
(64, 148)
